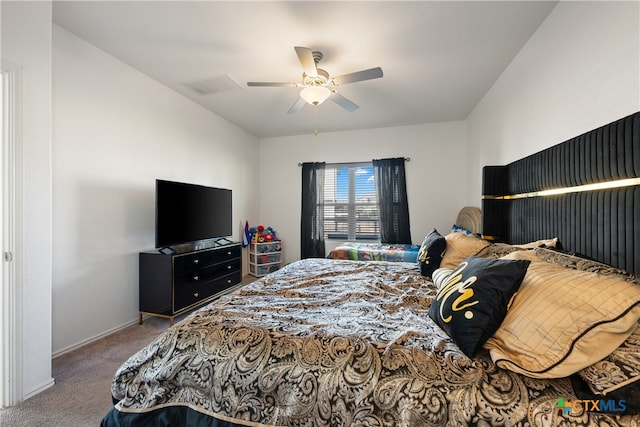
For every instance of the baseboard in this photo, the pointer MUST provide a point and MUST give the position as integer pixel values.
(245, 280)
(39, 389)
(92, 339)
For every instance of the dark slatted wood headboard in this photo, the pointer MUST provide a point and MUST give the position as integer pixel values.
(550, 194)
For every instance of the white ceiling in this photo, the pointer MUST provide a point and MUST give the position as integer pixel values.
(438, 57)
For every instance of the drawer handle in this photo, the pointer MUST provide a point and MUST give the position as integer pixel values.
(228, 267)
(196, 295)
(196, 261)
(196, 278)
(229, 281)
(229, 253)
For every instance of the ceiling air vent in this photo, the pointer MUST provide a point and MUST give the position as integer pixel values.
(218, 84)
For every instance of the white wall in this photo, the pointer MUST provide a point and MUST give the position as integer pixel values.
(115, 131)
(26, 43)
(579, 71)
(436, 173)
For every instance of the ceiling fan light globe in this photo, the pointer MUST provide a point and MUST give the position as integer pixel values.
(315, 95)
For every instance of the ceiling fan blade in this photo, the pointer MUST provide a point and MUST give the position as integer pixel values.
(297, 106)
(305, 55)
(343, 102)
(271, 84)
(358, 76)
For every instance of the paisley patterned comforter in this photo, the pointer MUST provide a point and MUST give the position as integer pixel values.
(329, 343)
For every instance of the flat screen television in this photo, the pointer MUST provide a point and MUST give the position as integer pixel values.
(188, 213)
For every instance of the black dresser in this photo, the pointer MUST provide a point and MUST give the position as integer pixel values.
(171, 284)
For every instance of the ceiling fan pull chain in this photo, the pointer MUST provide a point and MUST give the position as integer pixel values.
(315, 118)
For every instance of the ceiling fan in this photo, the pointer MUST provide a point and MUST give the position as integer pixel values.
(317, 85)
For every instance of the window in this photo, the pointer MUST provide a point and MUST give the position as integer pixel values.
(350, 202)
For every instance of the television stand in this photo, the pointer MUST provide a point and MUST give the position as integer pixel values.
(173, 283)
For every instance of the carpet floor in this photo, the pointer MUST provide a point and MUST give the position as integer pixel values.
(82, 391)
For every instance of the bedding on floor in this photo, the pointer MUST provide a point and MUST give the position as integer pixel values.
(339, 343)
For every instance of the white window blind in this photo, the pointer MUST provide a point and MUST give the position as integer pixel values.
(350, 202)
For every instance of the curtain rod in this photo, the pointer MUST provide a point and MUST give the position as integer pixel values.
(406, 159)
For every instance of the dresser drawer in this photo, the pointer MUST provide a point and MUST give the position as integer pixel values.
(228, 266)
(187, 294)
(191, 262)
(226, 253)
(195, 261)
(208, 273)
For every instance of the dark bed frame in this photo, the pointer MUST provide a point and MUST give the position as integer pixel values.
(603, 224)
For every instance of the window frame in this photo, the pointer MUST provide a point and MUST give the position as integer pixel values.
(352, 206)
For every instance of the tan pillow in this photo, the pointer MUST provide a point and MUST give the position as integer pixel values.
(460, 247)
(563, 320)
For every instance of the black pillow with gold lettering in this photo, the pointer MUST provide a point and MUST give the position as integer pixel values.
(430, 253)
(474, 300)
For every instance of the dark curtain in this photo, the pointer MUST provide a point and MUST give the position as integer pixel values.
(393, 208)
(312, 219)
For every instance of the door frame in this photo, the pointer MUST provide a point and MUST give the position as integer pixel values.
(11, 337)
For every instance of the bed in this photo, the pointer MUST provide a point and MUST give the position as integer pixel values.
(550, 338)
(468, 220)
(361, 251)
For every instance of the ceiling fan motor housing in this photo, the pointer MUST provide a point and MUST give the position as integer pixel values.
(320, 80)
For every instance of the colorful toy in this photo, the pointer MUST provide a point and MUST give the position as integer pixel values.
(261, 234)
